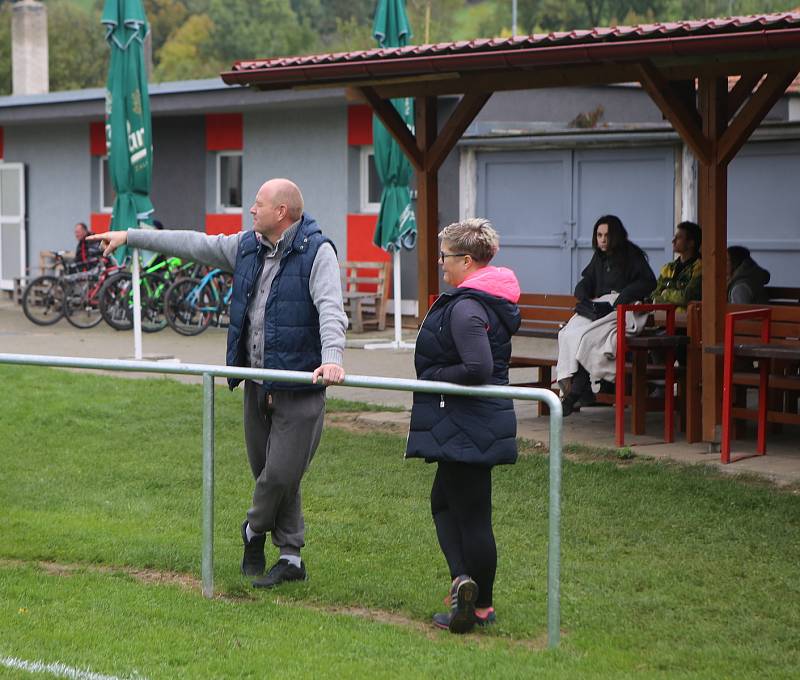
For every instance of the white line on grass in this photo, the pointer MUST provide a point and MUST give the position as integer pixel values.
(60, 670)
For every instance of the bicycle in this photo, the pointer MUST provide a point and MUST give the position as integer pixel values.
(116, 298)
(191, 304)
(72, 292)
(82, 293)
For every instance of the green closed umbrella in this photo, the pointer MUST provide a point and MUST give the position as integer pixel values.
(397, 225)
(128, 132)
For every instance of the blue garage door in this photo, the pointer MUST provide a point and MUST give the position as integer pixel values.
(545, 203)
(764, 207)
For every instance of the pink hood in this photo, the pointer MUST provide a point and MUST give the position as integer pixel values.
(498, 281)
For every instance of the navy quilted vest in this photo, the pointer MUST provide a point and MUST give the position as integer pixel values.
(291, 322)
(478, 431)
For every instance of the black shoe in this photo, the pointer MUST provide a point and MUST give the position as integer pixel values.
(280, 572)
(253, 561)
(587, 398)
(461, 617)
(569, 404)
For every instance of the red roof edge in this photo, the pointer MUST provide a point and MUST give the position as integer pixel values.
(520, 53)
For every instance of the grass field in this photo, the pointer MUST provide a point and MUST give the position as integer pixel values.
(668, 571)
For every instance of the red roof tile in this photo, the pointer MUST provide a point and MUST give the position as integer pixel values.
(615, 34)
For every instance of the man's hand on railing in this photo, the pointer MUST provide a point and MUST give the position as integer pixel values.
(330, 374)
(111, 240)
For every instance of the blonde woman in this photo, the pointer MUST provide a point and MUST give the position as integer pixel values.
(466, 338)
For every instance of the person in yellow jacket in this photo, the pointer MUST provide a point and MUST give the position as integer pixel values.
(680, 280)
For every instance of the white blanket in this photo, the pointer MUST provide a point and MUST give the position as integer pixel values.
(593, 344)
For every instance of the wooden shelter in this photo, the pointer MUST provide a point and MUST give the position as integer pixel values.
(685, 67)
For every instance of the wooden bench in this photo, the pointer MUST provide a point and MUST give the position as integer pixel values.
(543, 315)
(782, 295)
(365, 293)
(767, 335)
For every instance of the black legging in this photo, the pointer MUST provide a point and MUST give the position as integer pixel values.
(461, 503)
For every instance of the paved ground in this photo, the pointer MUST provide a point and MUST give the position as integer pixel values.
(593, 426)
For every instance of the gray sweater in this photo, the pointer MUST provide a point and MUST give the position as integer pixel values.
(220, 251)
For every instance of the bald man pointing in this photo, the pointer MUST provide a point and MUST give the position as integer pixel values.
(286, 313)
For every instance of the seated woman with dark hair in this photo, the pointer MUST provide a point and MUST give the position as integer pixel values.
(618, 273)
(746, 280)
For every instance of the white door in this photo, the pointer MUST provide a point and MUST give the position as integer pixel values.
(12, 223)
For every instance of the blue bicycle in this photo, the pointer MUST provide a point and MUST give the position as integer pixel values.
(191, 305)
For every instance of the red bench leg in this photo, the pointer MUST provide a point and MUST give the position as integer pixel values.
(639, 392)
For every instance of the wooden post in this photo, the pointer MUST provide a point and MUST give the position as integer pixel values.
(713, 210)
(427, 206)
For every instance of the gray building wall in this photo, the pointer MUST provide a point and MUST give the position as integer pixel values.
(622, 104)
(306, 145)
(58, 179)
(179, 171)
(561, 105)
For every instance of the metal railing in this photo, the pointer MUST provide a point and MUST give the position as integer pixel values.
(209, 372)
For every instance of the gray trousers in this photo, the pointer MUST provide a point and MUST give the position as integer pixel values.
(281, 434)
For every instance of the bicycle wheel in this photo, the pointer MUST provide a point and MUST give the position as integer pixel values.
(224, 282)
(187, 307)
(43, 300)
(81, 307)
(153, 287)
(115, 305)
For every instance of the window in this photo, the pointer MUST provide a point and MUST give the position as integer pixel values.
(229, 182)
(371, 185)
(106, 192)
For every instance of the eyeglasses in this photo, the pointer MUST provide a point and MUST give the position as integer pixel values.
(443, 255)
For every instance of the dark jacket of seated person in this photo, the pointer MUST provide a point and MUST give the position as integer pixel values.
(627, 272)
(746, 280)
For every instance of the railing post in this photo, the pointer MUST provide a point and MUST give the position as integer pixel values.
(554, 530)
(207, 567)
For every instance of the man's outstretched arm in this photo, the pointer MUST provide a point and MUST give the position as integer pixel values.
(215, 251)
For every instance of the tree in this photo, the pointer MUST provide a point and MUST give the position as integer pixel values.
(184, 55)
(438, 17)
(347, 14)
(165, 17)
(75, 63)
(5, 49)
(351, 35)
(249, 29)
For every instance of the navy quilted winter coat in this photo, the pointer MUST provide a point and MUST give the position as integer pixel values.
(478, 431)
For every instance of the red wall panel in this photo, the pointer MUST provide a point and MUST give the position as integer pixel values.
(223, 223)
(360, 248)
(360, 230)
(100, 222)
(224, 132)
(97, 139)
(359, 125)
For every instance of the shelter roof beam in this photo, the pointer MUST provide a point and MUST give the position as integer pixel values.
(675, 109)
(764, 98)
(742, 90)
(396, 126)
(469, 107)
